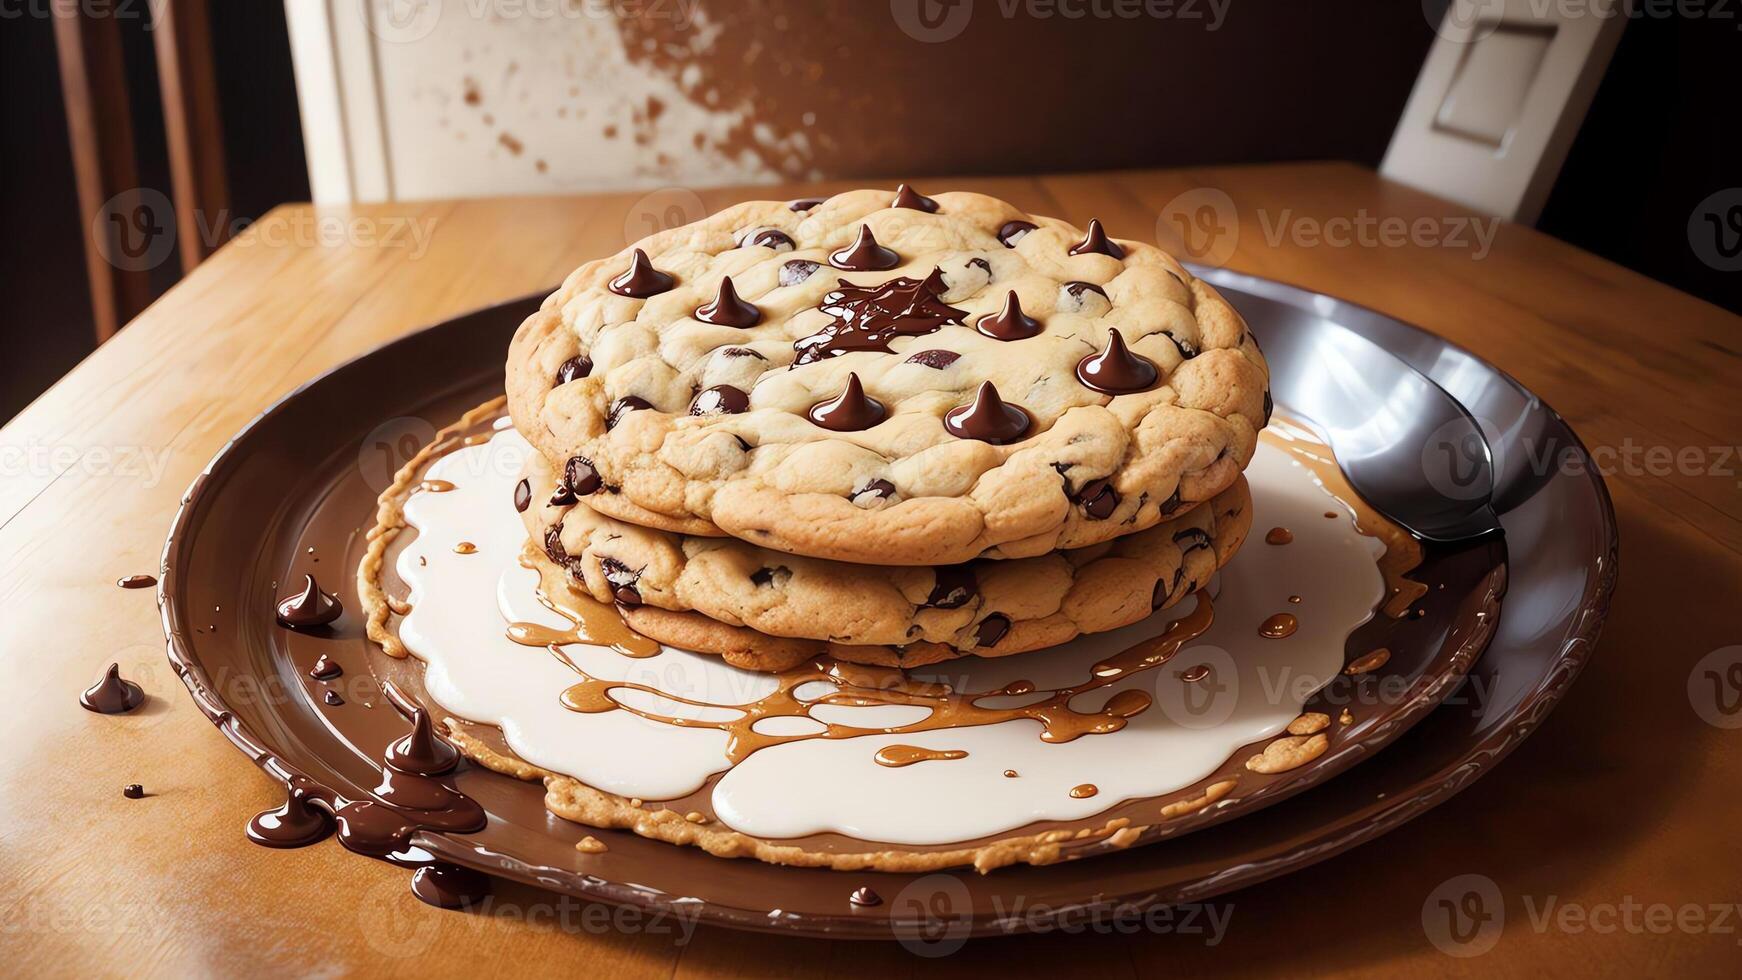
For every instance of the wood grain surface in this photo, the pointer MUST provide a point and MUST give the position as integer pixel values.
(1610, 834)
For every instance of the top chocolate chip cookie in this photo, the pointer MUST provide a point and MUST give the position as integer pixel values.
(890, 379)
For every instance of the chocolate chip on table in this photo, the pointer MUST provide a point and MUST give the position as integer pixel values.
(133, 791)
(641, 279)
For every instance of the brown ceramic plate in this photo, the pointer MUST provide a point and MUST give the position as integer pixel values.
(303, 475)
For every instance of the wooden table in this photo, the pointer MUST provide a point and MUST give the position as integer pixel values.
(1626, 797)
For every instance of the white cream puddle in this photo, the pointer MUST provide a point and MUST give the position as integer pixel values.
(463, 602)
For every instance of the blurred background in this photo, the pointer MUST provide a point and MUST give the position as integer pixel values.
(138, 135)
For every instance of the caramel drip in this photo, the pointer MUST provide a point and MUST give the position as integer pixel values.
(591, 622)
(1368, 662)
(897, 756)
(1403, 553)
(1279, 535)
(465, 548)
(1279, 626)
(591, 845)
(1191, 675)
(862, 686)
(1084, 791)
(435, 486)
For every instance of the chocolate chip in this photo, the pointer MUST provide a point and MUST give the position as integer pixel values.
(1269, 406)
(766, 576)
(1159, 597)
(580, 477)
(955, 587)
(991, 630)
(720, 400)
(133, 791)
(743, 443)
(772, 238)
(728, 310)
(622, 580)
(882, 489)
(804, 203)
(1196, 537)
(907, 197)
(864, 255)
(1097, 241)
(1171, 504)
(797, 270)
(740, 352)
(849, 411)
(980, 263)
(523, 495)
(641, 279)
(553, 544)
(987, 418)
(574, 368)
(1186, 349)
(622, 407)
(562, 496)
(1012, 231)
(1010, 323)
(1076, 288)
(1099, 499)
(1115, 370)
(938, 359)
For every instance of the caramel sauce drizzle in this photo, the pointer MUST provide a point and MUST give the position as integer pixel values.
(897, 756)
(591, 622)
(856, 685)
(1403, 553)
(1279, 626)
(435, 486)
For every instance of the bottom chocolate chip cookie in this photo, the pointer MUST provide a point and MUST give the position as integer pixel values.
(767, 610)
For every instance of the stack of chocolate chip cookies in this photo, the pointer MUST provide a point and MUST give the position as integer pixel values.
(892, 428)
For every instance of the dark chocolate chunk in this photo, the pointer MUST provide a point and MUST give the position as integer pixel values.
(1099, 499)
(1011, 231)
(883, 489)
(641, 279)
(727, 310)
(955, 586)
(574, 368)
(805, 203)
(522, 495)
(991, 630)
(622, 580)
(938, 359)
(907, 197)
(720, 400)
(580, 477)
(1097, 241)
(850, 411)
(622, 407)
(987, 418)
(864, 255)
(1009, 323)
(1116, 370)
(772, 238)
(795, 271)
